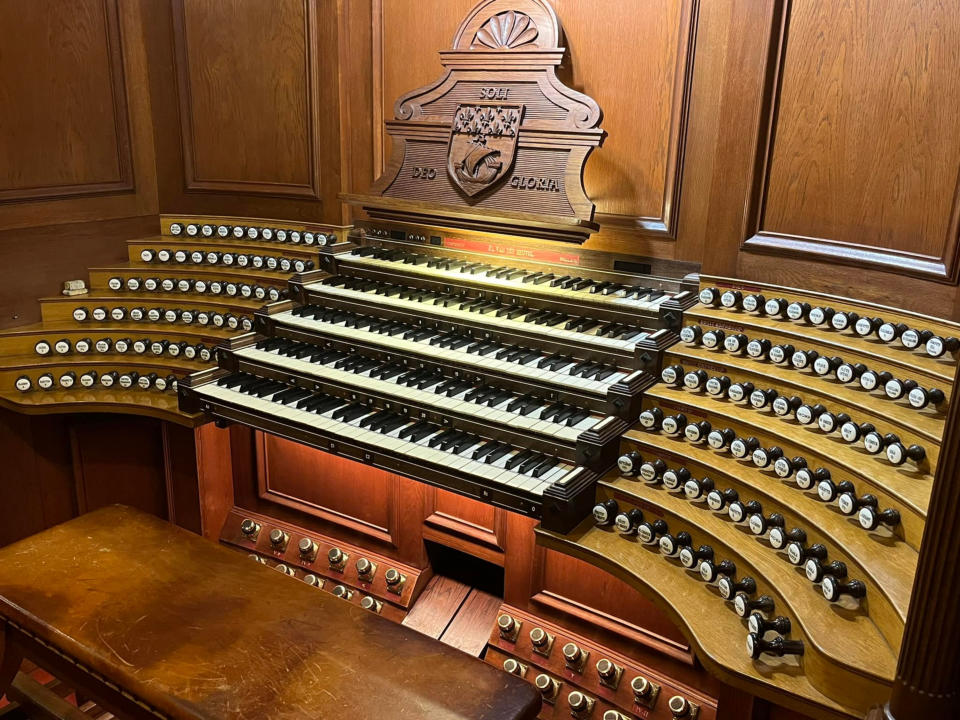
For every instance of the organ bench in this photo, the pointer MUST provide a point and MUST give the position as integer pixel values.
(161, 623)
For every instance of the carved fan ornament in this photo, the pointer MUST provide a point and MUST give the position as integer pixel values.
(498, 143)
(506, 31)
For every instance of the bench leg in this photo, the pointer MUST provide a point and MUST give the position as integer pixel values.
(10, 658)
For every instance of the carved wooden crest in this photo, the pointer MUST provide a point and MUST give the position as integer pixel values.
(498, 143)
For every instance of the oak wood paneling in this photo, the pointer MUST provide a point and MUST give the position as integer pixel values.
(76, 138)
(119, 460)
(75, 60)
(247, 80)
(858, 150)
(341, 497)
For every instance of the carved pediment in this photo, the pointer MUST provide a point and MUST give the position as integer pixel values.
(498, 142)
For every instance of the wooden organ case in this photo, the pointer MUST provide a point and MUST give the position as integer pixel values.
(706, 497)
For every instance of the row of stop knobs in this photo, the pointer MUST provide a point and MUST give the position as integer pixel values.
(575, 659)
(336, 558)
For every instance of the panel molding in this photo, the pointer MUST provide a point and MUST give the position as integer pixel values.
(944, 268)
(192, 180)
(665, 224)
(388, 535)
(118, 91)
(549, 598)
(488, 543)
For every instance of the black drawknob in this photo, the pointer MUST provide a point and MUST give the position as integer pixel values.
(759, 524)
(866, 326)
(806, 414)
(605, 512)
(759, 349)
(870, 519)
(670, 544)
(674, 424)
(729, 587)
(675, 479)
(758, 624)
(833, 589)
(743, 447)
(740, 391)
(698, 431)
(651, 419)
(784, 405)
(628, 522)
(757, 646)
(851, 431)
(753, 303)
(691, 334)
(690, 558)
(776, 307)
(849, 502)
(816, 570)
(718, 499)
(831, 422)
(802, 359)
(824, 366)
(653, 470)
(710, 296)
(896, 389)
(629, 463)
(912, 339)
(781, 354)
(743, 605)
(798, 310)
(735, 343)
(785, 467)
(779, 537)
(920, 398)
(797, 554)
(672, 375)
(765, 457)
(874, 442)
(710, 571)
(731, 299)
(807, 478)
(760, 399)
(717, 385)
(720, 439)
(847, 372)
(871, 379)
(828, 491)
(713, 339)
(648, 532)
(739, 511)
(821, 315)
(696, 489)
(938, 346)
(843, 320)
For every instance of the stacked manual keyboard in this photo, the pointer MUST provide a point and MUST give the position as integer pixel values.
(496, 383)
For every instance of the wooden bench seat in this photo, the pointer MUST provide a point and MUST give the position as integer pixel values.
(151, 621)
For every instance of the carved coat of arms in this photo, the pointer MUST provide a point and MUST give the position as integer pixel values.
(483, 144)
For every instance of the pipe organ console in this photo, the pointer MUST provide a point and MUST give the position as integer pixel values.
(757, 461)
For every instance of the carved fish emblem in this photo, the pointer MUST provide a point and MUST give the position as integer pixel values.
(483, 144)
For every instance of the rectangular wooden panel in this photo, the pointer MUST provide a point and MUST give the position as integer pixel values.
(119, 459)
(859, 148)
(65, 128)
(247, 82)
(356, 497)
